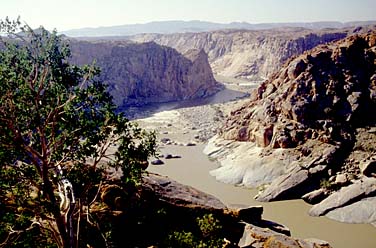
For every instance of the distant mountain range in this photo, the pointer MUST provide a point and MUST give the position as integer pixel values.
(168, 27)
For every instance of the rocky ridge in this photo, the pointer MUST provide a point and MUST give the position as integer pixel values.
(244, 53)
(139, 74)
(310, 132)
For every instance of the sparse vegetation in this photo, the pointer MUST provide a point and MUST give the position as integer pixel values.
(208, 236)
(324, 183)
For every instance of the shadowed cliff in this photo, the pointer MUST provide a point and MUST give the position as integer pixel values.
(139, 74)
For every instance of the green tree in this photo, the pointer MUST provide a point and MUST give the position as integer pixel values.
(60, 134)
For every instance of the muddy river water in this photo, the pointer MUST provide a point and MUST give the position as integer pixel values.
(194, 166)
(193, 169)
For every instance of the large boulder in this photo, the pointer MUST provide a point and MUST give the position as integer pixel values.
(368, 166)
(363, 211)
(174, 193)
(365, 187)
(285, 187)
(254, 236)
(315, 196)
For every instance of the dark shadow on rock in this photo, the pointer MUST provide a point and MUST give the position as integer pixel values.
(147, 110)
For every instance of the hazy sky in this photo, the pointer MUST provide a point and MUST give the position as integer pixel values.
(68, 14)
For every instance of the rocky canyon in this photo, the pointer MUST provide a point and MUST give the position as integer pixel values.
(252, 54)
(309, 132)
(138, 74)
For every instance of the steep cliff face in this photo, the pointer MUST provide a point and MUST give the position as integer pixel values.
(138, 74)
(244, 53)
(313, 128)
(331, 87)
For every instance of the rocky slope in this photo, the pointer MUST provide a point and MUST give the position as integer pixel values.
(243, 53)
(310, 131)
(161, 207)
(138, 74)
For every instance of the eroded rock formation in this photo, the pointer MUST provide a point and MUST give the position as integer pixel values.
(313, 122)
(138, 74)
(244, 53)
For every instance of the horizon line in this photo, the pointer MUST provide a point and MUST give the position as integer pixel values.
(223, 23)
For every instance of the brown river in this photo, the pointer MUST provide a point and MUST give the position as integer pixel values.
(194, 166)
(193, 169)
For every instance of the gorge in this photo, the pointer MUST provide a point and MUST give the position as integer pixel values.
(247, 54)
(308, 131)
(139, 74)
(188, 124)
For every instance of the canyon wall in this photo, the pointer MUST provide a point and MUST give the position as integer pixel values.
(310, 131)
(138, 74)
(247, 54)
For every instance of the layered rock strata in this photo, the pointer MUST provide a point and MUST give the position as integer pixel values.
(139, 74)
(244, 53)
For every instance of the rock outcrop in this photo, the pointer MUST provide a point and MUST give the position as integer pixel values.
(360, 189)
(245, 53)
(168, 190)
(254, 236)
(138, 74)
(314, 121)
(162, 206)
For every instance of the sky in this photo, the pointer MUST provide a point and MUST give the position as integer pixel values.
(70, 14)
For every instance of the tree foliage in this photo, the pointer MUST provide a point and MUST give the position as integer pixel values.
(60, 135)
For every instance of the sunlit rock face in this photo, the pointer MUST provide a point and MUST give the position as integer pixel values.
(243, 53)
(311, 125)
(139, 74)
(317, 95)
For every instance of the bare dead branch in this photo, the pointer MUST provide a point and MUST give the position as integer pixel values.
(96, 195)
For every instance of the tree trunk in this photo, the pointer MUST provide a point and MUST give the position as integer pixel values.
(67, 206)
(60, 221)
(63, 213)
